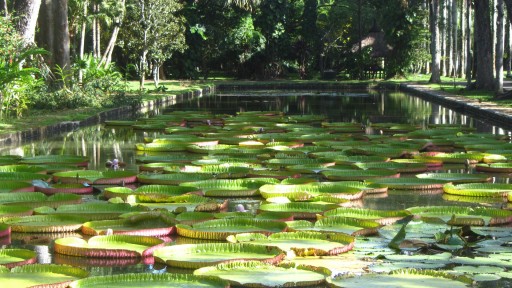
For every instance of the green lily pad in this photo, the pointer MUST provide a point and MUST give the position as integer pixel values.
(41, 275)
(117, 246)
(231, 187)
(149, 280)
(409, 183)
(257, 274)
(453, 215)
(46, 223)
(300, 210)
(456, 177)
(302, 243)
(219, 229)
(144, 224)
(95, 177)
(479, 189)
(16, 257)
(401, 278)
(383, 217)
(171, 179)
(351, 226)
(193, 256)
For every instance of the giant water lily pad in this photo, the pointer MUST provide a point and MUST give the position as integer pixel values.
(454, 215)
(143, 224)
(409, 183)
(495, 167)
(71, 188)
(257, 274)
(93, 210)
(38, 199)
(41, 275)
(358, 175)
(149, 280)
(193, 256)
(401, 278)
(16, 257)
(301, 192)
(479, 189)
(7, 211)
(117, 246)
(46, 223)
(300, 210)
(456, 178)
(381, 216)
(171, 179)
(15, 186)
(95, 177)
(302, 243)
(80, 161)
(351, 226)
(231, 187)
(219, 229)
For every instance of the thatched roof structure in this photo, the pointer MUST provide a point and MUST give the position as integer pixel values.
(375, 39)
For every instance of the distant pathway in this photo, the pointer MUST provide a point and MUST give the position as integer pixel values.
(492, 112)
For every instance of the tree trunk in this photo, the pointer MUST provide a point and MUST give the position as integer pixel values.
(483, 46)
(509, 48)
(443, 26)
(462, 55)
(435, 77)
(82, 40)
(455, 40)
(26, 15)
(61, 44)
(3, 8)
(469, 55)
(499, 47)
(107, 55)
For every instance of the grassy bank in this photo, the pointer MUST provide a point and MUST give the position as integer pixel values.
(39, 118)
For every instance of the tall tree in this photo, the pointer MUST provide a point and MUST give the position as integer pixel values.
(435, 77)
(26, 13)
(483, 46)
(54, 32)
(454, 51)
(469, 54)
(154, 30)
(500, 27)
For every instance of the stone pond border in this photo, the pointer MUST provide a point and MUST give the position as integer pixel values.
(494, 113)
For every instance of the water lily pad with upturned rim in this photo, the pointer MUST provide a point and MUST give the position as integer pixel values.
(145, 224)
(384, 217)
(302, 243)
(231, 187)
(45, 223)
(219, 229)
(41, 275)
(409, 183)
(171, 179)
(479, 189)
(401, 278)
(257, 274)
(95, 177)
(71, 188)
(494, 167)
(300, 210)
(149, 280)
(194, 256)
(17, 257)
(112, 246)
(79, 161)
(15, 186)
(456, 178)
(454, 215)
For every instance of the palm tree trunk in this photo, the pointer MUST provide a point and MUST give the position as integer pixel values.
(455, 46)
(483, 46)
(469, 55)
(27, 12)
(82, 40)
(499, 46)
(435, 77)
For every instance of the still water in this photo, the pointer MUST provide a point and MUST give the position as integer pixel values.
(102, 143)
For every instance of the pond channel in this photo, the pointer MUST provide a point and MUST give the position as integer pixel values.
(378, 113)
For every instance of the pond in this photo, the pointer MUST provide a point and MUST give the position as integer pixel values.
(279, 120)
